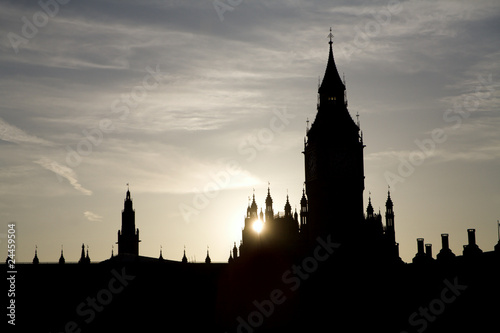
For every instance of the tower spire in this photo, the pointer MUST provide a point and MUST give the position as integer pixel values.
(330, 35)
(61, 258)
(35, 259)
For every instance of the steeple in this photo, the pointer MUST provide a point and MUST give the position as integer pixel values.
(288, 208)
(184, 258)
(87, 258)
(61, 258)
(207, 259)
(35, 259)
(389, 219)
(369, 209)
(303, 212)
(82, 255)
(128, 237)
(253, 207)
(269, 205)
(332, 88)
(161, 254)
(235, 251)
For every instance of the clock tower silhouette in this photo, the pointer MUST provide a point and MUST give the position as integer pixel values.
(334, 163)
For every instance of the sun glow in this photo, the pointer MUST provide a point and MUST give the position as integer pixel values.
(257, 226)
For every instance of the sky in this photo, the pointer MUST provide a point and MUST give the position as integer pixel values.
(197, 104)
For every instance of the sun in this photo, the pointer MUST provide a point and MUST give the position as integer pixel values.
(257, 226)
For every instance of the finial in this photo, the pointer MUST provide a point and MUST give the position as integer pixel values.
(330, 35)
(357, 119)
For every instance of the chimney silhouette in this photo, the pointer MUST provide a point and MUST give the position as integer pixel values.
(420, 246)
(471, 249)
(471, 233)
(445, 242)
(428, 250)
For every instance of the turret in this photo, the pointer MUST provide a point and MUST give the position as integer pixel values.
(303, 212)
(61, 258)
(269, 206)
(207, 259)
(288, 208)
(128, 237)
(369, 209)
(82, 256)
(35, 258)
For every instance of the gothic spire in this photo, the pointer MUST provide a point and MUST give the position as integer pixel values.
(61, 258)
(35, 259)
(207, 259)
(184, 258)
(82, 256)
(332, 86)
(369, 209)
(388, 203)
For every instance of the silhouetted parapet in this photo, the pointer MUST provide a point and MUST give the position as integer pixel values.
(445, 255)
(471, 249)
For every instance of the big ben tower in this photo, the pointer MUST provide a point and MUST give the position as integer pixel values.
(334, 163)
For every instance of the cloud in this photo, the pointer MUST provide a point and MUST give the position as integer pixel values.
(92, 216)
(63, 171)
(13, 134)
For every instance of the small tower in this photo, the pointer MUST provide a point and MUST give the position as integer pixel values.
(87, 258)
(303, 212)
(62, 261)
(161, 255)
(128, 237)
(35, 259)
(184, 258)
(288, 208)
(369, 209)
(207, 259)
(389, 219)
(269, 206)
(235, 251)
(82, 256)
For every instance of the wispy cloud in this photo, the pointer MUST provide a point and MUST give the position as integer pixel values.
(92, 216)
(13, 134)
(63, 171)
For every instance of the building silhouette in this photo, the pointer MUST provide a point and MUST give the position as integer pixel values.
(332, 265)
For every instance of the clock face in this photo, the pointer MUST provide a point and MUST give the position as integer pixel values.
(311, 166)
(340, 161)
